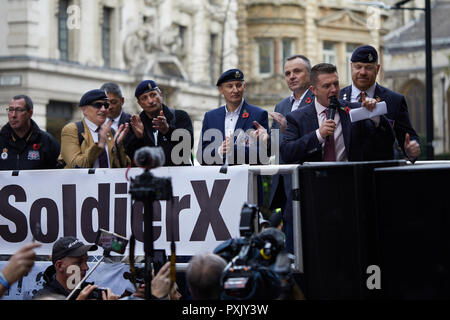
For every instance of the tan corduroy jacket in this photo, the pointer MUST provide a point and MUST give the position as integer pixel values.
(84, 156)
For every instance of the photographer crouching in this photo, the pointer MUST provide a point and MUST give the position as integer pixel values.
(69, 256)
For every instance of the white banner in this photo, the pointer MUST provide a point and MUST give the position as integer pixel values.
(49, 204)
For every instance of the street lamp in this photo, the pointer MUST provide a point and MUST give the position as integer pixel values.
(428, 64)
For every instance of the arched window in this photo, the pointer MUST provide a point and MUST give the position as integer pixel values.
(414, 92)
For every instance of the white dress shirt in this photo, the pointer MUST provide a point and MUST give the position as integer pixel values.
(339, 145)
(115, 124)
(231, 118)
(296, 103)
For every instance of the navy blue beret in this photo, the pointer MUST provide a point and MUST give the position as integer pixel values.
(145, 86)
(366, 54)
(230, 75)
(92, 96)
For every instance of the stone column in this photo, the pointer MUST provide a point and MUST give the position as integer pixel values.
(311, 40)
(23, 27)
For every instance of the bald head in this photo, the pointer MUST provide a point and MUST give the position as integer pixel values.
(203, 275)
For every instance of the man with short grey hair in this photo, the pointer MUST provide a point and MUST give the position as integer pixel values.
(297, 70)
(23, 145)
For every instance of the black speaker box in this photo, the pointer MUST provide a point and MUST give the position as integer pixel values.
(413, 215)
(338, 228)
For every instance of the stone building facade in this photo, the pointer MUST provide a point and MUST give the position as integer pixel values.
(55, 50)
(322, 30)
(405, 69)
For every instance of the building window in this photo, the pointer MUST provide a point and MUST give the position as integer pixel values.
(288, 49)
(59, 113)
(415, 98)
(182, 33)
(329, 52)
(213, 56)
(63, 31)
(265, 56)
(106, 36)
(350, 47)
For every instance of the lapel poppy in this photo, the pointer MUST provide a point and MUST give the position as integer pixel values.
(308, 100)
(36, 146)
(346, 109)
(245, 114)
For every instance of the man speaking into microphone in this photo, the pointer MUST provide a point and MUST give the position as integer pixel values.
(322, 130)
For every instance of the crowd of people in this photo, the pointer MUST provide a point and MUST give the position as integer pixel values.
(235, 133)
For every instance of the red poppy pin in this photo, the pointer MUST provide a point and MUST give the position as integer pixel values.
(308, 100)
(245, 114)
(36, 146)
(346, 109)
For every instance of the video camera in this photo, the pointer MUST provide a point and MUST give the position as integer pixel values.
(257, 265)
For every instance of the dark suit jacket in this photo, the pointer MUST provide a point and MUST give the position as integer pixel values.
(124, 118)
(397, 112)
(277, 197)
(215, 119)
(300, 143)
(177, 119)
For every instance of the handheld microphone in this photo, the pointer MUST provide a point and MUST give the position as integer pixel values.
(334, 104)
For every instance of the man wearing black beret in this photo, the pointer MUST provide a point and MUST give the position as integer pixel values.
(364, 70)
(156, 124)
(229, 138)
(91, 143)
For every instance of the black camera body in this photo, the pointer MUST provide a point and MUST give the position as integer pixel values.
(147, 186)
(96, 294)
(251, 273)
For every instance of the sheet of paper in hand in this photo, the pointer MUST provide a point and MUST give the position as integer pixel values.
(362, 113)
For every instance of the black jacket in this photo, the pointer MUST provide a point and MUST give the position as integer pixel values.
(37, 150)
(51, 285)
(177, 119)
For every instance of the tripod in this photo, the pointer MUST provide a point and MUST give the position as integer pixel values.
(147, 188)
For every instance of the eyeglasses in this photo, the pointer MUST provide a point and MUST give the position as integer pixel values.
(99, 105)
(18, 110)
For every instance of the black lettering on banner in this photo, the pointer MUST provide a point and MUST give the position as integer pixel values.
(52, 220)
(120, 210)
(209, 210)
(156, 217)
(14, 215)
(69, 197)
(102, 206)
(173, 216)
(137, 222)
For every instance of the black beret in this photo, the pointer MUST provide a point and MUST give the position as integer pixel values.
(230, 75)
(92, 96)
(366, 54)
(145, 86)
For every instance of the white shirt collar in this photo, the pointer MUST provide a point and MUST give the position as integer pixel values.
(116, 119)
(237, 111)
(301, 98)
(319, 108)
(92, 126)
(370, 93)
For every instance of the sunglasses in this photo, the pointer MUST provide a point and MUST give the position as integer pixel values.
(99, 105)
